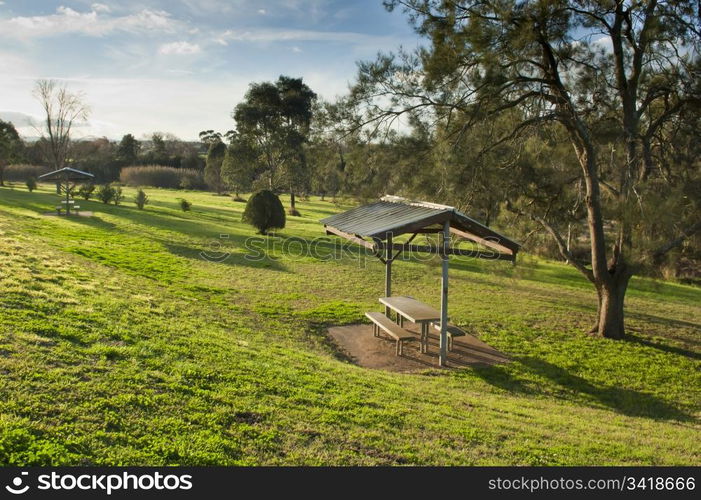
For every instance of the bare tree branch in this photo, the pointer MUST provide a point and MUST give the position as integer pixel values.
(62, 109)
(676, 242)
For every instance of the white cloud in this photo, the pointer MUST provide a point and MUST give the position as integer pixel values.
(12, 63)
(142, 105)
(179, 48)
(100, 7)
(20, 120)
(272, 35)
(93, 23)
(217, 7)
(296, 50)
(192, 87)
(134, 105)
(262, 12)
(180, 72)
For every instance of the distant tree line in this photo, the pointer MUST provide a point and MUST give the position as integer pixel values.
(105, 158)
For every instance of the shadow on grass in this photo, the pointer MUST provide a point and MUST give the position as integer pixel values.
(225, 251)
(625, 401)
(95, 222)
(36, 201)
(662, 347)
(230, 259)
(667, 322)
(641, 286)
(186, 223)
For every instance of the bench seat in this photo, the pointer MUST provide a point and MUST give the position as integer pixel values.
(380, 321)
(452, 331)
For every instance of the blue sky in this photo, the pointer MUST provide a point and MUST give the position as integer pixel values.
(181, 66)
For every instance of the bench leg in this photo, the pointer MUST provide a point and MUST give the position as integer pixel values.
(450, 342)
(400, 347)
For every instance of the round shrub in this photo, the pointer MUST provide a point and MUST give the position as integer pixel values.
(105, 194)
(185, 205)
(118, 196)
(264, 211)
(31, 184)
(141, 199)
(86, 190)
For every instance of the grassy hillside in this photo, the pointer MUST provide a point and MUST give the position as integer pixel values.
(120, 344)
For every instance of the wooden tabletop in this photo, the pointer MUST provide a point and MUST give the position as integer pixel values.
(410, 308)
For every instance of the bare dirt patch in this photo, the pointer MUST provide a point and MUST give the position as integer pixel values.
(83, 213)
(358, 344)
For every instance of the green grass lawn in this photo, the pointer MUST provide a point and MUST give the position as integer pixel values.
(121, 345)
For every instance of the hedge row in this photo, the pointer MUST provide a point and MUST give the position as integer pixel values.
(162, 177)
(20, 173)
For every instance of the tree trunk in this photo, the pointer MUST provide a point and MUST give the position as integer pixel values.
(610, 317)
(293, 208)
(647, 163)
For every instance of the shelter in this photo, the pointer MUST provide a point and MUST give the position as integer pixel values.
(63, 177)
(375, 225)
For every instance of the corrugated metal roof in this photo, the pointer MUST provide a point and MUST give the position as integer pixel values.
(377, 219)
(66, 173)
(397, 216)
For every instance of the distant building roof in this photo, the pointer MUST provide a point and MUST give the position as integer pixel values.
(395, 215)
(66, 173)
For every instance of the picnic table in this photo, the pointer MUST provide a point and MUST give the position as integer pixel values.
(413, 310)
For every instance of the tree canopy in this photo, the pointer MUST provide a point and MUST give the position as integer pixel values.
(128, 150)
(237, 169)
(273, 121)
(10, 147)
(212, 170)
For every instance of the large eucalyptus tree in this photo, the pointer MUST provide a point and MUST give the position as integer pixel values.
(604, 72)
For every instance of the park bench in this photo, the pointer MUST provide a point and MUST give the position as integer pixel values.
(452, 331)
(64, 205)
(380, 321)
(60, 209)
